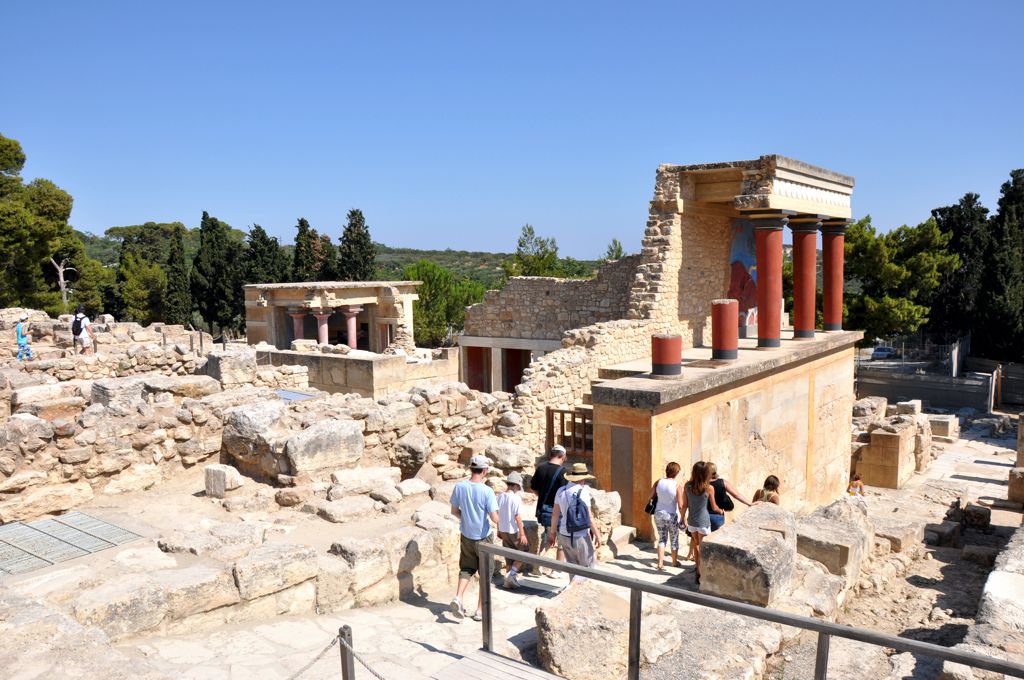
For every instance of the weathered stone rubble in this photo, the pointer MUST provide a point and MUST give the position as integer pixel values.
(890, 443)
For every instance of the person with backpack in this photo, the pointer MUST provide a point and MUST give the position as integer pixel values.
(576, 534)
(21, 335)
(724, 493)
(546, 481)
(82, 335)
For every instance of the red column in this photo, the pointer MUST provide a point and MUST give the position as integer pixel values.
(297, 320)
(351, 325)
(833, 239)
(768, 235)
(666, 354)
(725, 329)
(805, 274)
(321, 327)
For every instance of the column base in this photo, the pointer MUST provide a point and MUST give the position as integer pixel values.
(769, 343)
(803, 335)
(724, 354)
(666, 369)
(833, 327)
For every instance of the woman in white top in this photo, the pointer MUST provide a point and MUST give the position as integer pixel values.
(666, 513)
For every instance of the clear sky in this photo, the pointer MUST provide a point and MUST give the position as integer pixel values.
(451, 124)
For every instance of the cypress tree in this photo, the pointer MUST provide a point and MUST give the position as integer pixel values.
(1000, 328)
(357, 255)
(967, 223)
(266, 261)
(327, 260)
(214, 274)
(178, 298)
(304, 265)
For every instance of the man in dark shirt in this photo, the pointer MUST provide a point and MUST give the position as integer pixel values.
(546, 481)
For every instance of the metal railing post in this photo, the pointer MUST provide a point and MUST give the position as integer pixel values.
(635, 616)
(348, 664)
(486, 574)
(821, 657)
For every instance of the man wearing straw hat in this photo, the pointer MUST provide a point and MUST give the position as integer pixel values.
(576, 534)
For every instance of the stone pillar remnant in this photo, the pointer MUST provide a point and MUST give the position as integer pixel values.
(666, 354)
(768, 243)
(725, 329)
(321, 327)
(805, 273)
(833, 239)
(351, 324)
(297, 320)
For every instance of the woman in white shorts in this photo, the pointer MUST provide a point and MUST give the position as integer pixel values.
(697, 498)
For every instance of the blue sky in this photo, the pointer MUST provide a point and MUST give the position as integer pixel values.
(451, 124)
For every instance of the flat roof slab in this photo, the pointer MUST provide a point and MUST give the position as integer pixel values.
(700, 374)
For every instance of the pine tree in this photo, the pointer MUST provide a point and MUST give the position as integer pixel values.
(357, 255)
(266, 261)
(178, 298)
(142, 287)
(304, 264)
(1000, 326)
(215, 277)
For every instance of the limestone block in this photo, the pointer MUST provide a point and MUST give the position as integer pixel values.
(305, 346)
(413, 487)
(387, 493)
(346, 509)
(196, 589)
(272, 567)
(746, 564)
(33, 394)
(357, 481)
(870, 407)
(583, 633)
(911, 407)
(125, 606)
(119, 394)
(186, 386)
(367, 558)
(977, 516)
(220, 479)
(945, 425)
(325, 445)
(507, 456)
(232, 367)
(136, 478)
(1015, 490)
(942, 533)
(902, 535)
(44, 500)
(411, 451)
(832, 544)
(235, 536)
(400, 416)
(333, 585)
(76, 455)
(292, 496)
(1002, 601)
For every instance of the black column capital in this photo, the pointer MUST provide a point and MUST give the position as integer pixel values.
(835, 226)
(806, 223)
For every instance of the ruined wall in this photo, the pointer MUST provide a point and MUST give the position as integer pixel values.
(541, 308)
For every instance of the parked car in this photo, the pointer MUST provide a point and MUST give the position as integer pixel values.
(884, 353)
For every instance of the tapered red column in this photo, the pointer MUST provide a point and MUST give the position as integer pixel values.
(298, 318)
(805, 273)
(833, 240)
(768, 242)
(352, 325)
(321, 327)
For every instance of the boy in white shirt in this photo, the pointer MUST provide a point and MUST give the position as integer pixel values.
(510, 525)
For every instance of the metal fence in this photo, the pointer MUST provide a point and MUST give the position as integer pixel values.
(825, 629)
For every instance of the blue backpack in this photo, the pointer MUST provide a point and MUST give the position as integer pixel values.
(577, 516)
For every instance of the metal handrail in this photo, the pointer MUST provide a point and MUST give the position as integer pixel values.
(825, 629)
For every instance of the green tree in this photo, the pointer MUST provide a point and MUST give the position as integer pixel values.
(534, 256)
(33, 217)
(614, 251)
(1000, 322)
(967, 224)
(69, 270)
(304, 263)
(357, 254)
(142, 288)
(266, 262)
(327, 260)
(442, 303)
(177, 304)
(93, 280)
(216, 275)
(892, 278)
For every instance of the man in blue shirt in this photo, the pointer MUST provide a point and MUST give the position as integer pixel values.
(474, 503)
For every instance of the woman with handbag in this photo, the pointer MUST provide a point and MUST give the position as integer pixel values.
(724, 493)
(665, 504)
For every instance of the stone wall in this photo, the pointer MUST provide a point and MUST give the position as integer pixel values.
(121, 361)
(543, 307)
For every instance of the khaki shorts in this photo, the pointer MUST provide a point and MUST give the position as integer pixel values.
(469, 555)
(579, 551)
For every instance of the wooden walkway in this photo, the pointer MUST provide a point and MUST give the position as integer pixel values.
(481, 665)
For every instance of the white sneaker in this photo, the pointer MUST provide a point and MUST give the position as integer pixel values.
(456, 607)
(478, 615)
(511, 581)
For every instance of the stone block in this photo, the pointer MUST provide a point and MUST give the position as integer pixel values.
(346, 509)
(367, 558)
(196, 589)
(361, 481)
(125, 606)
(977, 516)
(44, 500)
(839, 546)
(1015, 489)
(232, 367)
(902, 535)
(942, 533)
(413, 487)
(411, 451)
(945, 425)
(979, 554)
(324, 446)
(119, 394)
(185, 386)
(1002, 601)
(912, 407)
(272, 567)
(747, 564)
(220, 479)
(333, 585)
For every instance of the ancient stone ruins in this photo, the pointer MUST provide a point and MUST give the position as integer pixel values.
(175, 508)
